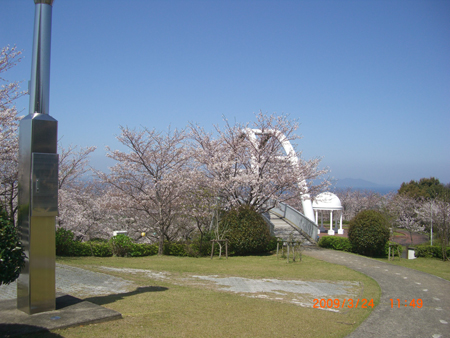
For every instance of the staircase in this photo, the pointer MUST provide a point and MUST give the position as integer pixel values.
(284, 230)
(286, 221)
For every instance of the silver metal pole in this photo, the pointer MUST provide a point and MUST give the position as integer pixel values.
(40, 67)
(38, 178)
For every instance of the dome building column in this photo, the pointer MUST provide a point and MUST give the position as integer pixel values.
(331, 231)
(328, 201)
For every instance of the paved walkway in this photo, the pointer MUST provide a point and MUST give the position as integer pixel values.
(78, 282)
(396, 282)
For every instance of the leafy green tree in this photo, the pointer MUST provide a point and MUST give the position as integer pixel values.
(12, 257)
(246, 231)
(369, 233)
(426, 188)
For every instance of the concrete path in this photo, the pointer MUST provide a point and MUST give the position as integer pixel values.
(396, 282)
(79, 282)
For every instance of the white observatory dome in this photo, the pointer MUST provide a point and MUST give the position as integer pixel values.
(327, 201)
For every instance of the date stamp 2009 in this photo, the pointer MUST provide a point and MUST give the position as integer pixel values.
(363, 303)
(337, 303)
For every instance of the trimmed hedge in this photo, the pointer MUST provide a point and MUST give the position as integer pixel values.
(141, 250)
(123, 246)
(430, 251)
(335, 243)
(343, 244)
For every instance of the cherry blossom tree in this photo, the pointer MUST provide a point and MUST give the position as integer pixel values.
(200, 204)
(437, 210)
(151, 178)
(404, 210)
(91, 212)
(354, 201)
(242, 171)
(73, 164)
(81, 202)
(9, 92)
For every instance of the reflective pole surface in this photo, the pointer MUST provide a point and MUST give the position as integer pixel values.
(38, 177)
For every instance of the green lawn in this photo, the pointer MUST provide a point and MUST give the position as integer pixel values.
(174, 308)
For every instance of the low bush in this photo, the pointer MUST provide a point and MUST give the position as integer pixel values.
(12, 257)
(100, 249)
(430, 251)
(335, 243)
(64, 242)
(66, 245)
(272, 244)
(141, 250)
(174, 249)
(80, 249)
(194, 249)
(394, 247)
(121, 245)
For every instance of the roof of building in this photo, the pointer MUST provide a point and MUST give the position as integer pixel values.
(327, 201)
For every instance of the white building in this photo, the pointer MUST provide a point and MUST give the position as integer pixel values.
(328, 201)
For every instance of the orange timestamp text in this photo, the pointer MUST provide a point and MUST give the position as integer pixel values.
(337, 303)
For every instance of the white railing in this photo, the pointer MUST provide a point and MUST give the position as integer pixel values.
(297, 219)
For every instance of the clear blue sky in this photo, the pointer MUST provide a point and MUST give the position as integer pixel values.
(369, 81)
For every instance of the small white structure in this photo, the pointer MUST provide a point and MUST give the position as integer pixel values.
(120, 232)
(328, 201)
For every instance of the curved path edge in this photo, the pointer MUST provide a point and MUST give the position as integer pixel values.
(397, 282)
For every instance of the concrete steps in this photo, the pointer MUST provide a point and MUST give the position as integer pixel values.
(284, 230)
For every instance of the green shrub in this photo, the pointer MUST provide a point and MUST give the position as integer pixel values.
(140, 250)
(335, 243)
(369, 233)
(64, 242)
(246, 231)
(194, 249)
(430, 251)
(100, 249)
(80, 249)
(121, 245)
(12, 257)
(174, 249)
(394, 247)
(98, 240)
(272, 245)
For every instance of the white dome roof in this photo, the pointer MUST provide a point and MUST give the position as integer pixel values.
(327, 201)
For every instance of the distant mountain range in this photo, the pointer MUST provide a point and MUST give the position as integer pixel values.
(359, 184)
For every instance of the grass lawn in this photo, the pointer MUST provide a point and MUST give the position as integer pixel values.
(432, 266)
(174, 308)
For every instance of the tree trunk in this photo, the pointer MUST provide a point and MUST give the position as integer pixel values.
(201, 243)
(161, 245)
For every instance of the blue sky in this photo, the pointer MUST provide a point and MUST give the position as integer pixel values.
(369, 81)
